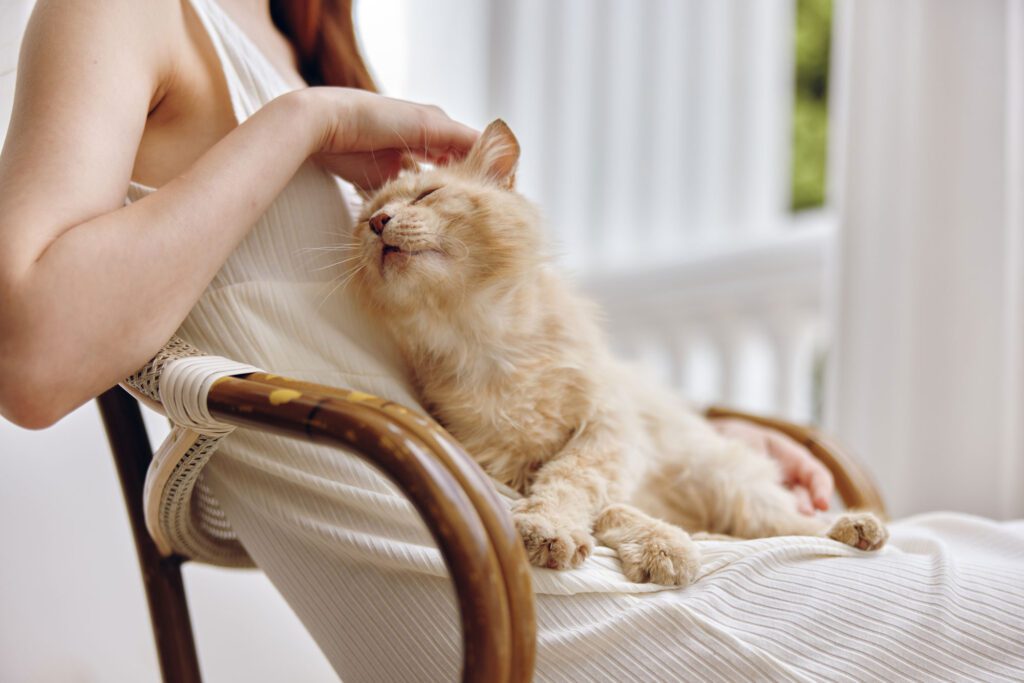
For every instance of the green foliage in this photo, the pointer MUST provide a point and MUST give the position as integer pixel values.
(810, 111)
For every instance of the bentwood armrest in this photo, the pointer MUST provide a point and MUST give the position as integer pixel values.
(856, 487)
(452, 494)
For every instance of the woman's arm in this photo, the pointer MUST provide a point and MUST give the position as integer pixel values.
(90, 289)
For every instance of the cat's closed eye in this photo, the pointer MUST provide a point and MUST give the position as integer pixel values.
(424, 194)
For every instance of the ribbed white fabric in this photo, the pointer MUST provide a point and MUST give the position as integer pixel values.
(944, 602)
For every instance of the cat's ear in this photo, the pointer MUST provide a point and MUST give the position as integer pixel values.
(495, 154)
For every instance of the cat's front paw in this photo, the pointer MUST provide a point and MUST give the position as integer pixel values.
(553, 543)
(667, 557)
(861, 530)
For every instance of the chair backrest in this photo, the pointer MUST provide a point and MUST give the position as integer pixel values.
(168, 609)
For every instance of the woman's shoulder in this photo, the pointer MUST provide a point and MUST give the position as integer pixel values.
(148, 59)
(128, 20)
(90, 74)
(106, 31)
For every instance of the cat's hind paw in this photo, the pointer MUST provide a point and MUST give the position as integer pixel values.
(551, 544)
(665, 558)
(861, 530)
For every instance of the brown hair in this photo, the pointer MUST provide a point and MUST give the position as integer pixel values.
(324, 37)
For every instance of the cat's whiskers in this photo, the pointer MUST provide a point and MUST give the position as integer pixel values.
(348, 252)
(334, 234)
(339, 263)
(343, 281)
(333, 247)
(402, 138)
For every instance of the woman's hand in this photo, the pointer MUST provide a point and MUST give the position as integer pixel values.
(802, 473)
(367, 138)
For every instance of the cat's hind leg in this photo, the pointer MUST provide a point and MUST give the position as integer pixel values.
(767, 509)
(650, 550)
(861, 530)
(730, 489)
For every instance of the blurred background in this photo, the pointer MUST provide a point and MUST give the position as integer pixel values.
(799, 207)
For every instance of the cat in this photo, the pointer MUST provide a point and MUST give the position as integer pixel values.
(512, 361)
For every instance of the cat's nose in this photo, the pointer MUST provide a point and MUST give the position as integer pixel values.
(378, 221)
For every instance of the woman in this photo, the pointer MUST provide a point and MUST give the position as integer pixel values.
(208, 102)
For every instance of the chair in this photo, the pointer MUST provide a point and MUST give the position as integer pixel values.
(455, 498)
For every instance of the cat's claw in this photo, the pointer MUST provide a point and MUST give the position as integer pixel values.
(861, 530)
(552, 544)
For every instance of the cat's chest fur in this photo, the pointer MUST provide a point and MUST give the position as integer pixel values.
(511, 374)
(510, 420)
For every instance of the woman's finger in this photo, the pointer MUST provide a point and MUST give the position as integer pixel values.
(441, 136)
(420, 130)
(357, 121)
(801, 467)
(803, 500)
(821, 486)
(787, 451)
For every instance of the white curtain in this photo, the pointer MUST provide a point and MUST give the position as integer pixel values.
(927, 379)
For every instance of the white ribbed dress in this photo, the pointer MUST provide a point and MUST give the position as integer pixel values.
(945, 601)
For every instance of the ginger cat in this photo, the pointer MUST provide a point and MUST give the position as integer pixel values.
(512, 362)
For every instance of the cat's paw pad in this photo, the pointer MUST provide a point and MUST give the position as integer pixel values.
(861, 530)
(667, 559)
(552, 544)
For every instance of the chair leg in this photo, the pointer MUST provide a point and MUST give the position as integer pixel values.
(165, 592)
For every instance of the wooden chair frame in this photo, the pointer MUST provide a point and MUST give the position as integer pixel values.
(459, 505)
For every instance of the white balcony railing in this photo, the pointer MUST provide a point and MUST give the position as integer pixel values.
(742, 324)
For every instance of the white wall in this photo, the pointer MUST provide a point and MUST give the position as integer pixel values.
(72, 606)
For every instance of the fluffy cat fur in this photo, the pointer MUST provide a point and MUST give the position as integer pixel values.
(510, 359)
